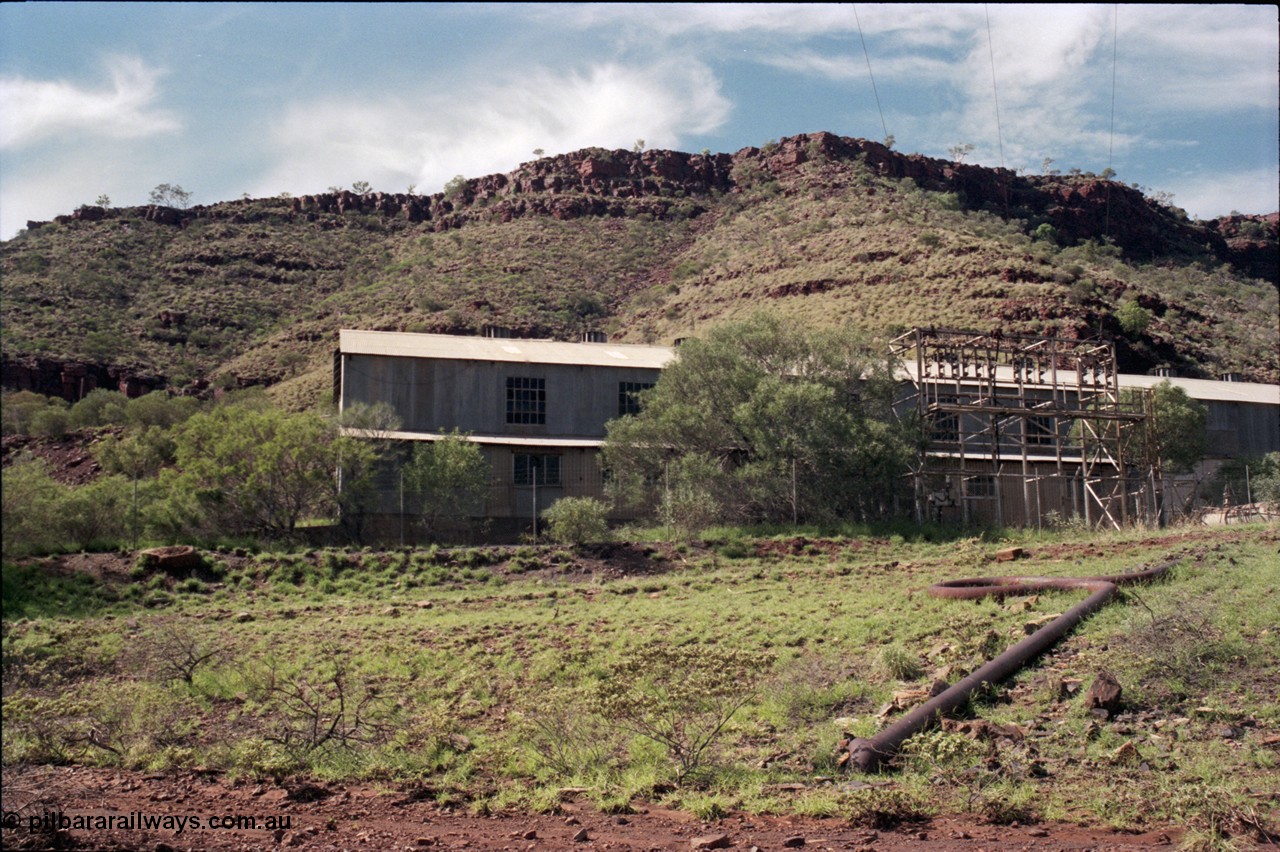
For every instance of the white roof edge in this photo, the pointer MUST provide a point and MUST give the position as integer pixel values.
(508, 349)
(1202, 389)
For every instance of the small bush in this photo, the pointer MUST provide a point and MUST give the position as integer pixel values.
(577, 520)
(883, 808)
(679, 697)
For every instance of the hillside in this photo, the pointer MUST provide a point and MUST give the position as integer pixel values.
(648, 246)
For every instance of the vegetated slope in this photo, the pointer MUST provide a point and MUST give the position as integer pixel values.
(649, 246)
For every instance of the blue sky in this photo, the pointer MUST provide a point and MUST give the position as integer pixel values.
(227, 99)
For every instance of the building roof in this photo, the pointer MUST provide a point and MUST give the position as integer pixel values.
(1201, 389)
(460, 348)
(1207, 389)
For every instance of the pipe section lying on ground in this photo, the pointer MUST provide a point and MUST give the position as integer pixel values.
(868, 754)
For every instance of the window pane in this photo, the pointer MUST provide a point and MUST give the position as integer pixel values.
(526, 400)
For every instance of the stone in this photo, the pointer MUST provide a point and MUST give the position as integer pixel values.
(794, 842)
(582, 836)
(1036, 623)
(710, 841)
(1009, 554)
(1104, 694)
(1126, 755)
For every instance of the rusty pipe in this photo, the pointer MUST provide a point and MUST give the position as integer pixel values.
(868, 753)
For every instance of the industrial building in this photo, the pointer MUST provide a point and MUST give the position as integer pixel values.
(1022, 429)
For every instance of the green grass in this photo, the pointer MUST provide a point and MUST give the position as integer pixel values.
(465, 693)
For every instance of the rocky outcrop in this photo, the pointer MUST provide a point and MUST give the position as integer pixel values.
(1253, 244)
(71, 380)
(666, 185)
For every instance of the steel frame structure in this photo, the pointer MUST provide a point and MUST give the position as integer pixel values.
(1005, 407)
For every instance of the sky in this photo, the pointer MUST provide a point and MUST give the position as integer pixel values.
(226, 99)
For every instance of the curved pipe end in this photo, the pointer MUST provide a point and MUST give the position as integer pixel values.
(864, 755)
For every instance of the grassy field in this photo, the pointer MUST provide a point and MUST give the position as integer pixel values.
(713, 676)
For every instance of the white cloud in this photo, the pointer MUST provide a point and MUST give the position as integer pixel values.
(394, 141)
(1213, 195)
(37, 109)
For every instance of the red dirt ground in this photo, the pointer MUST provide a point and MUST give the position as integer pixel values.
(360, 818)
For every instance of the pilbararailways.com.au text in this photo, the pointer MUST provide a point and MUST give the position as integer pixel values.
(49, 821)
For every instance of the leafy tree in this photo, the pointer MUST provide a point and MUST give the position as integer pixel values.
(30, 503)
(99, 407)
(159, 409)
(1045, 233)
(360, 462)
(20, 408)
(1176, 428)
(456, 187)
(450, 477)
(1133, 318)
(1256, 478)
(766, 420)
(538, 152)
(139, 454)
(638, 146)
(171, 195)
(259, 470)
(103, 200)
(361, 187)
(959, 151)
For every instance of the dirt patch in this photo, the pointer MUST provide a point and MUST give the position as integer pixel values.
(70, 459)
(324, 817)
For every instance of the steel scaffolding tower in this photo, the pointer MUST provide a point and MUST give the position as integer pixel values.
(1043, 415)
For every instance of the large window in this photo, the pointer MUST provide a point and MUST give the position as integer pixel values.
(628, 403)
(542, 469)
(526, 400)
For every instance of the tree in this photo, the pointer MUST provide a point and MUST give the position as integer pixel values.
(99, 407)
(361, 187)
(1133, 318)
(959, 151)
(1045, 233)
(638, 146)
(139, 454)
(258, 470)
(103, 200)
(30, 504)
(450, 478)
(171, 195)
(1176, 428)
(456, 187)
(766, 420)
(538, 152)
(361, 460)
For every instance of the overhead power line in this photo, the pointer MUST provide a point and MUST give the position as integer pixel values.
(867, 56)
(994, 94)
